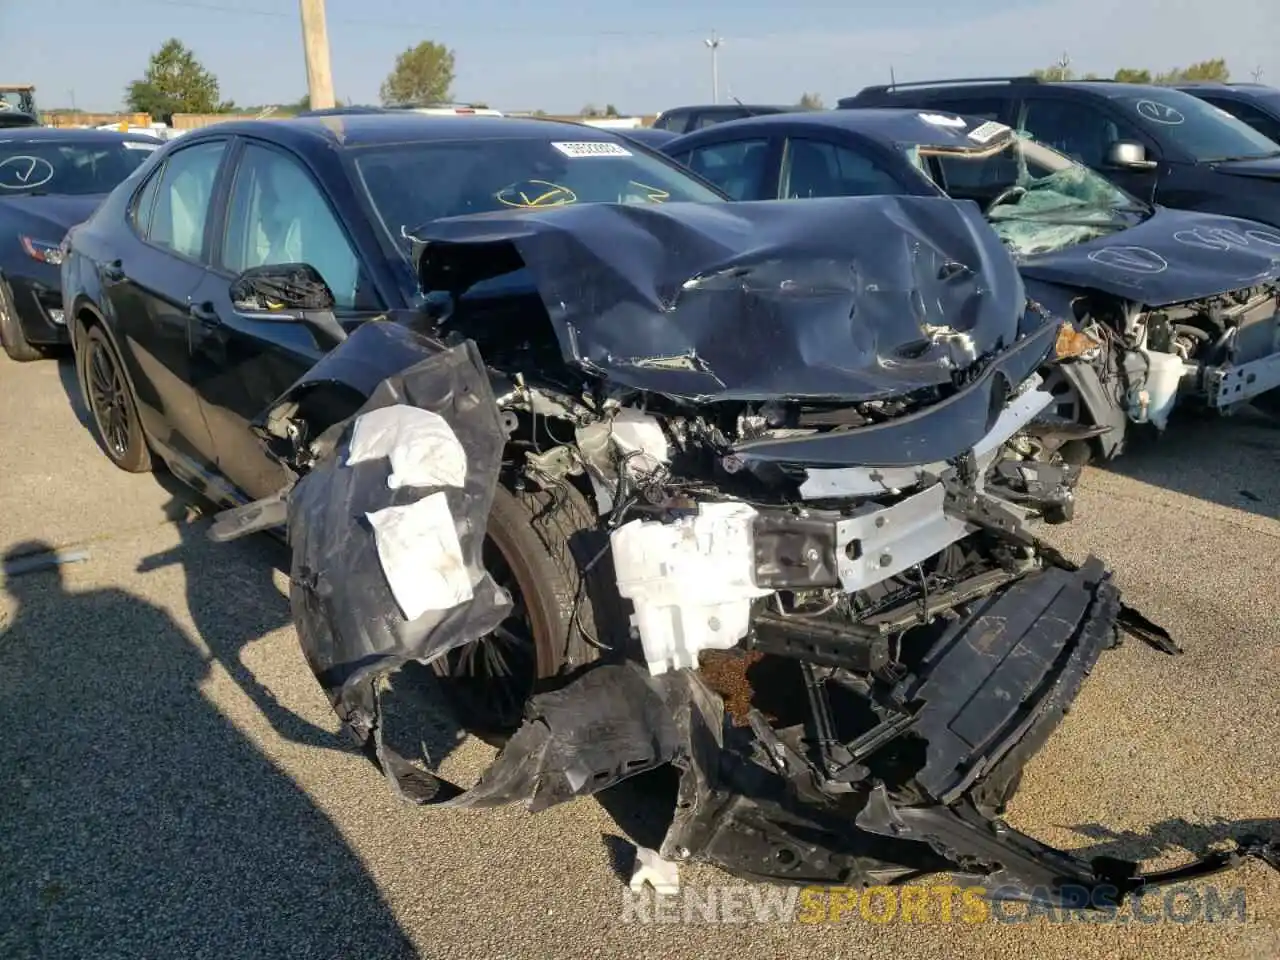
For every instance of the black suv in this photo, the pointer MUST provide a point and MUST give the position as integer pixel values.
(1255, 103)
(1159, 143)
(687, 119)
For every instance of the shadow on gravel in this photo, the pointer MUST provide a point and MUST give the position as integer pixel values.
(1231, 461)
(137, 820)
(75, 397)
(1197, 839)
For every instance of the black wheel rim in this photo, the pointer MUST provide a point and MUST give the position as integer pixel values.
(493, 677)
(109, 400)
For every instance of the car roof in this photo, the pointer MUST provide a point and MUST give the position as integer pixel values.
(735, 107)
(1111, 89)
(887, 125)
(29, 134)
(374, 129)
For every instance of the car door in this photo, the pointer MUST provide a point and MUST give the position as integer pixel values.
(160, 261)
(818, 167)
(745, 167)
(1084, 130)
(275, 212)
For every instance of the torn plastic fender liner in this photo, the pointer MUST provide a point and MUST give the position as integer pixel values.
(342, 604)
(854, 298)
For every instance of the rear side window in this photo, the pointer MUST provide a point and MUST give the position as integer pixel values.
(182, 201)
(145, 202)
(677, 121)
(737, 167)
(816, 169)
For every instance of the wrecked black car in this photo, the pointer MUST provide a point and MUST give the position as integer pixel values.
(636, 476)
(1164, 305)
(644, 451)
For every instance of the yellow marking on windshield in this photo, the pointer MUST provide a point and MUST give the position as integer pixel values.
(555, 195)
(652, 194)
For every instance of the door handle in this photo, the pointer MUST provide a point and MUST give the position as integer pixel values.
(113, 272)
(204, 314)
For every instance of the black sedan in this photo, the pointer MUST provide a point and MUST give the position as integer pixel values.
(49, 181)
(530, 355)
(1173, 304)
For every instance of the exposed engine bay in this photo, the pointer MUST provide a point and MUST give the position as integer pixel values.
(806, 578)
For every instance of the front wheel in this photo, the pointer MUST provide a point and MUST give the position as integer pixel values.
(111, 403)
(545, 550)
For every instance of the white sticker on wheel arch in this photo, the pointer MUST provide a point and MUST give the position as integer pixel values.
(421, 557)
(421, 446)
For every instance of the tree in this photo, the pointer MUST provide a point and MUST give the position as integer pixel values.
(1132, 75)
(175, 82)
(1212, 70)
(610, 110)
(1055, 72)
(810, 101)
(422, 74)
(590, 110)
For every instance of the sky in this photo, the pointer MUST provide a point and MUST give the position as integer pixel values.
(559, 55)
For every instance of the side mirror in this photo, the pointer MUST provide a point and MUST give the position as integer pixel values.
(1128, 153)
(289, 292)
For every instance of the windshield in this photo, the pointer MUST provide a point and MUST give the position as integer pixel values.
(1035, 198)
(67, 167)
(1197, 127)
(411, 184)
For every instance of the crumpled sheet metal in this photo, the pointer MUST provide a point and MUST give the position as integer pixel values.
(854, 298)
(346, 615)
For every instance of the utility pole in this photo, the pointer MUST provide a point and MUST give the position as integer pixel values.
(1257, 74)
(315, 40)
(714, 45)
(1064, 62)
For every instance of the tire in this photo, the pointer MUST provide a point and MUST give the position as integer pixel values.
(12, 338)
(540, 547)
(112, 405)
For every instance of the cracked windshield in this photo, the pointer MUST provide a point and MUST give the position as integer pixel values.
(1035, 198)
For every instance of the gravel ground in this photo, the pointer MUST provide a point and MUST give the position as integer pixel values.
(173, 787)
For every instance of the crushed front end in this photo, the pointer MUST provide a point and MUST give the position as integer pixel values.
(838, 624)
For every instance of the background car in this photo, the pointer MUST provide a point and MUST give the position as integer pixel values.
(1256, 104)
(1159, 143)
(685, 119)
(49, 181)
(1087, 250)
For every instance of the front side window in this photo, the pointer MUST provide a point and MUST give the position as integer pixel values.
(277, 214)
(1197, 128)
(409, 184)
(1081, 131)
(737, 167)
(816, 169)
(182, 203)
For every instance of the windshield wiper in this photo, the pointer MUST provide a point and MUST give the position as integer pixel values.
(1246, 156)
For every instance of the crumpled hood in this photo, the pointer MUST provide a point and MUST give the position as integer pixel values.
(850, 298)
(50, 216)
(1172, 257)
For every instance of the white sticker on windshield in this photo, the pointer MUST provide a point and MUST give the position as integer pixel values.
(140, 145)
(593, 148)
(941, 120)
(987, 131)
